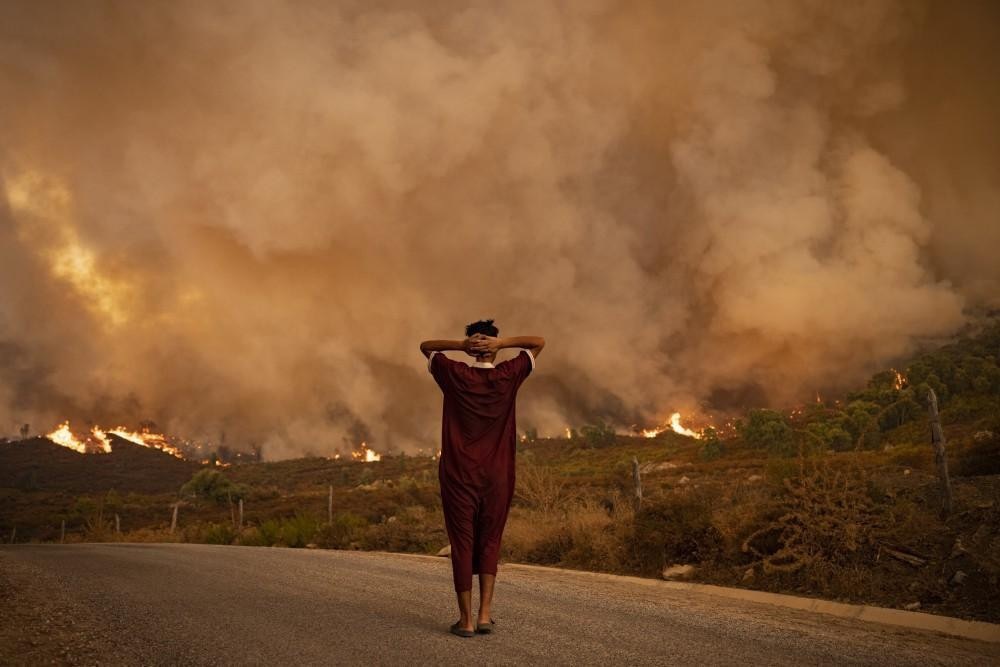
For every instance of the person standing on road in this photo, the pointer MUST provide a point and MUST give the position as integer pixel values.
(478, 444)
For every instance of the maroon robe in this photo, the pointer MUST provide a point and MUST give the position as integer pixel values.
(476, 470)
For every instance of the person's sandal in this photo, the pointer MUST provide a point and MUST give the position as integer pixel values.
(485, 628)
(456, 629)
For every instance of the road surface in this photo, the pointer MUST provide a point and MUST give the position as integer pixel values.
(214, 605)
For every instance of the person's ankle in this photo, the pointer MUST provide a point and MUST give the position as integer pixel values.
(484, 616)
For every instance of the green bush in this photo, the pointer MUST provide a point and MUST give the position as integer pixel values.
(347, 531)
(296, 531)
(711, 447)
(213, 485)
(767, 429)
(598, 435)
(217, 533)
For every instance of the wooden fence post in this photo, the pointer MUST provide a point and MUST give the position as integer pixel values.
(62, 532)
(173, 520)
(940, 456)
(13, 534)
(240, 525)
(637, 481)
(329, 507)
(118, 524)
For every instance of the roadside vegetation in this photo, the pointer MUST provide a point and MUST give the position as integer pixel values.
(838, 500)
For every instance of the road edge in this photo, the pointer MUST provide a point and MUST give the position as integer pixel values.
(914, 620)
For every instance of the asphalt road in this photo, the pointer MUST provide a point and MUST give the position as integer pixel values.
(212, 605)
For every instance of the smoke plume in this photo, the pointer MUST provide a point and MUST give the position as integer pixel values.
(239, 220)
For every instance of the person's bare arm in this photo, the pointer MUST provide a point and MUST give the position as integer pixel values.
(489, 345)
(429, 346)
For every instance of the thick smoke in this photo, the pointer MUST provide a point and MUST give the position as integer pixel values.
(238, 221)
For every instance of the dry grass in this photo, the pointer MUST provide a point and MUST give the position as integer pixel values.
(582, 534)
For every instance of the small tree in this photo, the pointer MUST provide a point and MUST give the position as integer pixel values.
(767, 429)
(598, 435)
(711, 445)
(213, 485)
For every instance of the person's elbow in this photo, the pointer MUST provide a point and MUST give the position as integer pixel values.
(540, 343)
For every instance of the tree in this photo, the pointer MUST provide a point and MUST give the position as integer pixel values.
(213, 485)
(767, 429)
(598, 435)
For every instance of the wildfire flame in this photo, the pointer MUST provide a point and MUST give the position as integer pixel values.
(98, 440)
(102, 437)
(63, 436)
(147, 439)
(366, 454)
(900, 380)
(674, 425)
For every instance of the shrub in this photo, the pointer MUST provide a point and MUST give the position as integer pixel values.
(218, 533)
(540, 488)
(767, 429)
(598, 435)
(711, 447)
(296, 531)
(581, 534)
(347, 531)
(213, 485)
(673, 529)
(982, 457)
(414, 530)
(827, 518)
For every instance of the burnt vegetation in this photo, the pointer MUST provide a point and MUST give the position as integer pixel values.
(839, 500)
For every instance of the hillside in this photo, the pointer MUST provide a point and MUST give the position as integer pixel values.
(40, 464)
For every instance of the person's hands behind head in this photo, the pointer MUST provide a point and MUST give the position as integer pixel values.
(472, 345)
(484, 346)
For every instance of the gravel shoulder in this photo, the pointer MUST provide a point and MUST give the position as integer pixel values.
(210, 605)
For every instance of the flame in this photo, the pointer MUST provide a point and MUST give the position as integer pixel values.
(569, 433)
(675, 425)
(147, 439)
(103, 438)
(900, 380)
(63, 436)
(366, 454)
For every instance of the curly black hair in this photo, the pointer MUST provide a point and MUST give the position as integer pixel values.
(482, 327)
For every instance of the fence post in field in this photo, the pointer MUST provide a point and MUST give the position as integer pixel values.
(13, 534)
(173, 520)
(118, 524)
(240, 525)
(329, 507)
(637, 481)
(940, 456)
(62, 532)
